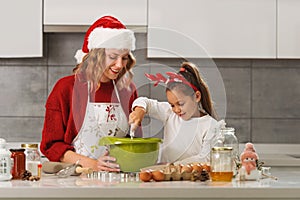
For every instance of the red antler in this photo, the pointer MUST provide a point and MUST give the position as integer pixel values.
(176, 77)
(158, 78)
(173, 77)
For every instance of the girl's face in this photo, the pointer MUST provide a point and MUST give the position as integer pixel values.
(183, 105)
(115, 61)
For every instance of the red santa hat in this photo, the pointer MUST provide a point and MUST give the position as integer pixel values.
(106, 32)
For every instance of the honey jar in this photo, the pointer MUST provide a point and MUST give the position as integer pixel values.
(221, 164)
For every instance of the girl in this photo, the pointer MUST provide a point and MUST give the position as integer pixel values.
(189, 118)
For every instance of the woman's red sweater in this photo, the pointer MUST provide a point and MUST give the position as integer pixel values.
(65, 111)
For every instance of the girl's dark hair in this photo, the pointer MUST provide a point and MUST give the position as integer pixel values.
(191, 73)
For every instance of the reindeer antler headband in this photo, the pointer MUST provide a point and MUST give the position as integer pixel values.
(173, 77)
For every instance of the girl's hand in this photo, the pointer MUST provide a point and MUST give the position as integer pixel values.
(136, 116)
(107, 163)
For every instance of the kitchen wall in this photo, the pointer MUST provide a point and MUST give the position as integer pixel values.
(263, 96)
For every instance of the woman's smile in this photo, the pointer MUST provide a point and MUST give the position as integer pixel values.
(116, 60)
(115, 71)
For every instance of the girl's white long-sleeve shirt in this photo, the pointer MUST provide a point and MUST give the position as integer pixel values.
(183, 141)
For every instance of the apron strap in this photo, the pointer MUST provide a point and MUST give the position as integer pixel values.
(116, 89)
(89, 87)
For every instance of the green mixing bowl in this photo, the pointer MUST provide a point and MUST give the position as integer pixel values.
(132, 154)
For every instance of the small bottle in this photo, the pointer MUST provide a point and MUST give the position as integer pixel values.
(33, 158)
(19, 160)
(221, 164)
(39, 170)
(5, 162)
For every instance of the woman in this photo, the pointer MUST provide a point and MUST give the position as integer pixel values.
(93, 102)
(189, 118)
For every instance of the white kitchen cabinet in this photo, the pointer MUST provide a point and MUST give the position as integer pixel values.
(214, 28)
(288, 29)
(78, 12)
(21, 28)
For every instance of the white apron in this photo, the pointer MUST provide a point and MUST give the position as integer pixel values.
(101, 119)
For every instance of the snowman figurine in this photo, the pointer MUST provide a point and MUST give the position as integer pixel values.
(249, 159)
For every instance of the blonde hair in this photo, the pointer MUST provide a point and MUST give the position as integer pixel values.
(93, 66)
(191, 73)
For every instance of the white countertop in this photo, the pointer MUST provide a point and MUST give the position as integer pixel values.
(286, 187)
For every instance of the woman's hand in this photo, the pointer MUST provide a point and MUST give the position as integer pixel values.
(107, 163)
(103, 163)
(136, 116)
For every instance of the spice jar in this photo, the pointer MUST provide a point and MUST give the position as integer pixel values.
(18, 168)
(33, 158)
(221, 164)
(5, 162)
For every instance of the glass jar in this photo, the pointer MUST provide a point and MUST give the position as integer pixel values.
(230, 140)
(18, 168)
(221, 164)
(33, 158)
(5, 162)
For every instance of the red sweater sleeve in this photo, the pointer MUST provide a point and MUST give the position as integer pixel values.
(56, 136)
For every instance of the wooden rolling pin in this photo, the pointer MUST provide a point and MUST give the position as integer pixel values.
(49, 167)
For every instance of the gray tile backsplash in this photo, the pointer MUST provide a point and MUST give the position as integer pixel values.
(21, 129)
(57, 72)
(276, 131)
(259, 97)
(276, 92)
(23, 91)
(62, 48)
(237, 83)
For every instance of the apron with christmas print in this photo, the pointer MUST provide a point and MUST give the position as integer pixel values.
(101, 119)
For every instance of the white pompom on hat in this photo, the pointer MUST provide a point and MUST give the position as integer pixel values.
(106, 32)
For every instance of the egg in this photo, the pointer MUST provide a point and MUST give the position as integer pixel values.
(206, 167)
(197, 167)
(145, 176)
(186, 168)
(158, 175)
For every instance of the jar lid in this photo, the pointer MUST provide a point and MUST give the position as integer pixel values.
(33, 146)
(222, 148)
(17, 150)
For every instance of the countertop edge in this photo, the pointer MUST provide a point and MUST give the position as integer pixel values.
(272, 193)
